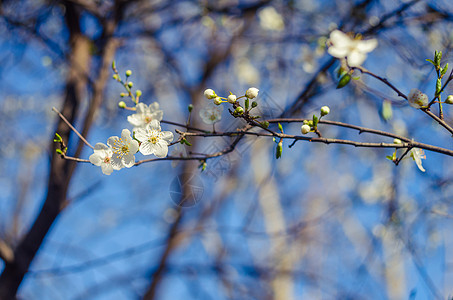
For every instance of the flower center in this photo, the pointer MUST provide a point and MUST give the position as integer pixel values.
(148, 119)
(213, 117)
(107, 160)
(153, 139)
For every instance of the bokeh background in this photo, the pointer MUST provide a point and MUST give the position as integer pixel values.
(322, 222)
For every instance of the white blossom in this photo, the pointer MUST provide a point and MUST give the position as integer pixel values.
(270, 19)
(417, 99)
(304, 129)
(209, 94)
(355, 51)
(124, 149)
(153, 140)
(417, 155)
(211, 113)
(145, 114)
(102, 157)
(252, 93)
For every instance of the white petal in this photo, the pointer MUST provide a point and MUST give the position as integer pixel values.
(111, 141)
(141, 108)
(126, 135)
(154, 106)
(338, 52)
(107, 169)
(161, 149)
(146, 148)
(153, 125)
(141, 134)
(100, 146)
(340, 39)
(367, 45)
(135, 120)
(128, 160)
(158, 115)
(167, 136)
(355, 58)
(96, 159)
(117, 162)
(133, 147)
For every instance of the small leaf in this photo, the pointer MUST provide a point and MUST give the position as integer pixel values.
(344, 80)
(389, 157)
(315, 121)
(279, 151)
(186, 142)
(246, 105)
(113, 65)
(431, 61)
(444, 70)
(57, 138)
(280, 127)
(59, 151)
(438, 86)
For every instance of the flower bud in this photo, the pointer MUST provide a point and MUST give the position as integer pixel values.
(123, 95)
(128, 73)
(217, 101)
(252, 93)
(190, 107)
(417, 99)
(130, 84)
(138, 93)
(232, 99)
(239, 110)
(305, 129)
(325, 110)
(121, 104)
(254, 104)
(115, 76)
(449, 99)
(209, 94)
(397, 141)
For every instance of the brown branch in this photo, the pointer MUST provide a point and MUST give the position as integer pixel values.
(72, 128)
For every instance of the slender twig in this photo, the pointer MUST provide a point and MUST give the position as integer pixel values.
(72, 127)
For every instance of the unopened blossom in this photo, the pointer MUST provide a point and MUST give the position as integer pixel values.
(102, 157)
(252, 93)
(304, 129)
(217, 101)
(325, 110)
(153, 140)
(232, 98)
(354, 50)
(211, 113)
(124, 149)
(417, 155)
(417, 99)
(145, 114)
(209, 94)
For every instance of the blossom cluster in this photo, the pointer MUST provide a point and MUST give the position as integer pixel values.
(147, 138)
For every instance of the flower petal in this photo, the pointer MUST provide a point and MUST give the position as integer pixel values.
(141, 134)
(167, 136)
(126, 135)
(356, 58)
(146, 148)
(112, 140)
(128, 160)
(161, 149)
(96, 159)
(339, 38)
(153, 125)
(117, 162)
(107, 169)
(367, 45)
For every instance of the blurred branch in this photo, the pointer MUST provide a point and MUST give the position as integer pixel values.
(6, 252)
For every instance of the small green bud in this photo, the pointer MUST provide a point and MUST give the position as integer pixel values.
(123, 95)
(325, 110)
(397, 141)
(115, 76)
(217, 101)
(239, 110)
(254, 104)
(280, 127)
(344, 80)
(265, 124)
(305, 122)
(113, 65)
(190, 107)
(246, 103)
(387, 112)
(59, 151)
(130, 84)
(128, 73)
(57, 138)
(138, 93)
(121, 104)
(449, 99)
(279, 151)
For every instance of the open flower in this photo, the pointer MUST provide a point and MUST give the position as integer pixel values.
(153, 140)
(417, 155)
(102, 157)
(417, 99)
(145, 114)
(123, 149)
(211, 113)
(355, 51)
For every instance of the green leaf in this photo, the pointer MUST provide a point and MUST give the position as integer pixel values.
(279, 151)
(344, 80)
(315, 121)
(246, 105)
(280, 127)
(431, 61)
(444, 70)
(186, 142)
(438, 86)
(59, 151)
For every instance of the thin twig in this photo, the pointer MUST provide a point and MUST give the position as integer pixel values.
(72, 128)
